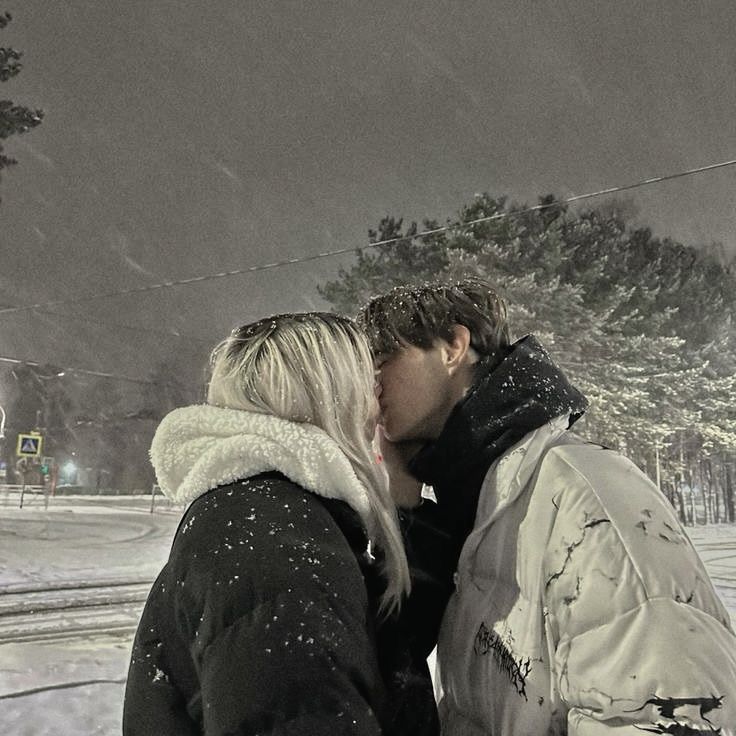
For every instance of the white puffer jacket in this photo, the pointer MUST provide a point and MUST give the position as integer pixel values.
(581, 606)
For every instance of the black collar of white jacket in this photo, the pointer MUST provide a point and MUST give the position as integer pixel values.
(507, 401)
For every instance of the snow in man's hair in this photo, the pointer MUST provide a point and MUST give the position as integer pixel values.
(420, 314)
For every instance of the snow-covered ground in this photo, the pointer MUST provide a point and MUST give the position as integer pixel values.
(72, 581)
(75, 542)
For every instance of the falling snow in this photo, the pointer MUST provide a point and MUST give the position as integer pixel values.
(40, 547)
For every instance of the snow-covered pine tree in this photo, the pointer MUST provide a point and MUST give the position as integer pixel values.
(642, 325)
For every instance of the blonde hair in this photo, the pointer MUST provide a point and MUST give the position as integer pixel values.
(316, 368)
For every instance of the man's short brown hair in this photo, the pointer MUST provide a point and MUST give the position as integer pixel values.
(419, 315)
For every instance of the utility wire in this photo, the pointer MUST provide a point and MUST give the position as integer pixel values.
(121, 326)
(352, 249)
(84, 371)
(133, 328)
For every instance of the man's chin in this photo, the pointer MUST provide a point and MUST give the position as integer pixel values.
(391, 433)
(386, 430)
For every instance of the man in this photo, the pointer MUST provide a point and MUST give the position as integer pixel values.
(577, 604)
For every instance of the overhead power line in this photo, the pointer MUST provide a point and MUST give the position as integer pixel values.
(352, 249)
(132, 328)
(61, 371)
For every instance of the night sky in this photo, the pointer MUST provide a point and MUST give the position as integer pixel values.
(187, 138)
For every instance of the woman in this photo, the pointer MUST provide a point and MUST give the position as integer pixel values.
(276, 612)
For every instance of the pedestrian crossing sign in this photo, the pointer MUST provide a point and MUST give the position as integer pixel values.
(29, 445)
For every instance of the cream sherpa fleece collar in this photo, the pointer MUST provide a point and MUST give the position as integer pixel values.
(197, 448)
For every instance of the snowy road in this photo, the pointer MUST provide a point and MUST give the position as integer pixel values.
(63, 610)
(73, 582)
(717, 548)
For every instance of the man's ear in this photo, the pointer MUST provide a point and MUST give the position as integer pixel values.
(457, 353)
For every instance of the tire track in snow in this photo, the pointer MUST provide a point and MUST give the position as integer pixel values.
(35, 613)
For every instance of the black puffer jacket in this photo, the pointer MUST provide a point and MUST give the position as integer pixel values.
(263, 621)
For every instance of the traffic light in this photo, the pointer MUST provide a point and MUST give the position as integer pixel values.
(45, 466)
